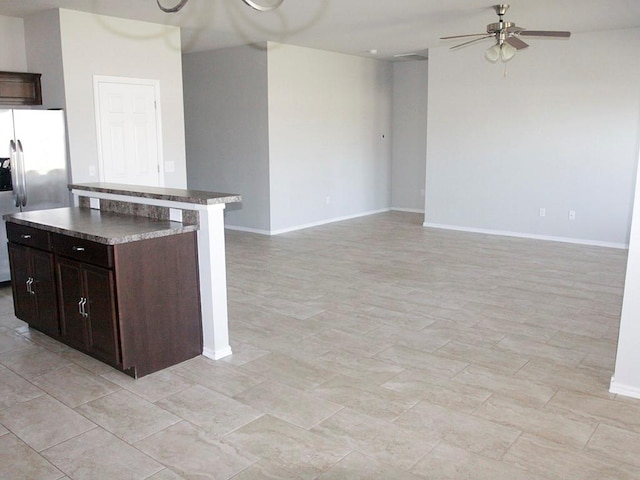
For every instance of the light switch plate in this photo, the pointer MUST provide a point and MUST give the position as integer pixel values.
(94, 203)
(175, 214)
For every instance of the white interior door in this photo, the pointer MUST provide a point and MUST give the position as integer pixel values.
(128, 123)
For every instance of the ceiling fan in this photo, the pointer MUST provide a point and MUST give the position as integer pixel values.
(507, 36)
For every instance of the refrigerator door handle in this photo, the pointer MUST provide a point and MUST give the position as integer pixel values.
(15, 168)
(23, 174)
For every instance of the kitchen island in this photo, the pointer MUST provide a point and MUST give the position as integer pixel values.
(158, 252)
(204, 209)
(121, 288)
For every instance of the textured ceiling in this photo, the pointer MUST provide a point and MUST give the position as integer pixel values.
(348, 26)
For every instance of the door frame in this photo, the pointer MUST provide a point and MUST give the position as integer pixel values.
(97, 80)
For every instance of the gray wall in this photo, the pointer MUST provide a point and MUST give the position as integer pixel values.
(329, 128)
(409, 135)
(13, 59)
(227, 130)
(101, 45)
(626, 379)
(44, 55)
(70, 47)
(559, 131)
(298, 132)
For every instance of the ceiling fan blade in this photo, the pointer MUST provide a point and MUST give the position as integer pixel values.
(516, 43)
(545, 33)
(470, 42)
(462, 36)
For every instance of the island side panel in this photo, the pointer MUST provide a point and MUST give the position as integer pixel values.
(158, 302)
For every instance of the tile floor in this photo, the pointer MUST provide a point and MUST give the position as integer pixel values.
(372, 348)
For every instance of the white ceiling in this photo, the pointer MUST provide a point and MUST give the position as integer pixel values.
(349, 26)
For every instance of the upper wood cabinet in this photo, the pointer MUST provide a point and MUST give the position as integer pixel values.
(17, 88)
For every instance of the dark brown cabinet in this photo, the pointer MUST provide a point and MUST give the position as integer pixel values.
(33, 284)
(135, 305)
(88, 319)
(19, 88)
(87, 296)
(34, 288)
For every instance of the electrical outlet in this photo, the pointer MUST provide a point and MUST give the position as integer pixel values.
(328, 200)
(543, 212)
(572, 215)
(92, 171)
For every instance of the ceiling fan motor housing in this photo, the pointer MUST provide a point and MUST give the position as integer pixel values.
(499, 26)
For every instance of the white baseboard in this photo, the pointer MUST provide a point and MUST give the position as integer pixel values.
(626, 390)
(329, 220)
(408, 210)
(247, 229)
(307, 225)
(216, 354)
(532, 236)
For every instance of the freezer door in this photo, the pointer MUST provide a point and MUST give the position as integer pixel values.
(42, 135)
(7, 201)
(7, 150)
(7, 205)
(43, 138)
(6, 132)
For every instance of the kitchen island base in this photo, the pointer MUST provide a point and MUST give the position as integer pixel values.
(206, 209)
(134, 305)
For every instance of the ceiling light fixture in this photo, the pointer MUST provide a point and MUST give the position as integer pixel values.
(502, 51)
(252, 3)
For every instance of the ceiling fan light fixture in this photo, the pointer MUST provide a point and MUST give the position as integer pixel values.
(493, 53)
(507, 52)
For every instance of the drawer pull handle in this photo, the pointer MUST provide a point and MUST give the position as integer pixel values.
(77, 249)
(25, 236)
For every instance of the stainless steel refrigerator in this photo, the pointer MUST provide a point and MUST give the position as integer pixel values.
(33, 166)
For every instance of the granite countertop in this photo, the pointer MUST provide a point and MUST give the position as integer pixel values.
(98, 226)
(159, 193)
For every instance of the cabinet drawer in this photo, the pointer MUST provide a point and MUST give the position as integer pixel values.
(83, 250)
(32, 237)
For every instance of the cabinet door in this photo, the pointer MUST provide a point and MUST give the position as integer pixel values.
(102, 326)
(71, 295)
(43, 287)
(23, 300)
